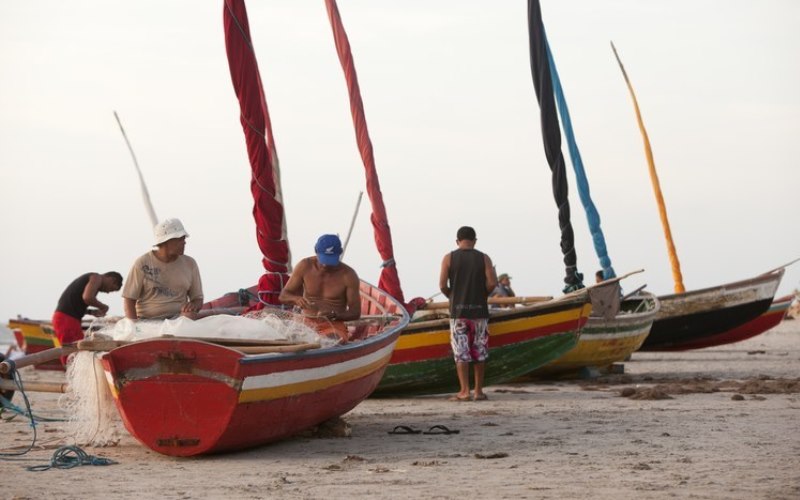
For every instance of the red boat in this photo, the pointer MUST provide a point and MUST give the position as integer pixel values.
(769, 319)
(185, 397)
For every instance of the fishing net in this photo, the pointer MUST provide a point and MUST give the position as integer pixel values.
(93, 417)
(266, 325)
(88, 402)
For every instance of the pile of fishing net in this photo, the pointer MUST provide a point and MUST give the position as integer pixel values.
(93, 417)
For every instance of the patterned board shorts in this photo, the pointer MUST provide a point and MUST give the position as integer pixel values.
(469, 339)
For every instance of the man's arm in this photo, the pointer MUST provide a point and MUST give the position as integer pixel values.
(292, 292)
(444, 276)
(353, 298)
(89, 295)
(129, 305)
(491, 277)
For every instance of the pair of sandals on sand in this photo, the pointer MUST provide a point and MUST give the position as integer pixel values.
(435, 429)
(462, 399)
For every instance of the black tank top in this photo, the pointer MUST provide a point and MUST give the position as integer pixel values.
(71, 301)
(468, 285)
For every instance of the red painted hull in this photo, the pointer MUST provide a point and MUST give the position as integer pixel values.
(769, 319)
(184, 397)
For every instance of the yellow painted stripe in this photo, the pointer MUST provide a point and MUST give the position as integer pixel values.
(600, 352)
(270, 393)
(111, 385)
(34, 332)
(440, 337)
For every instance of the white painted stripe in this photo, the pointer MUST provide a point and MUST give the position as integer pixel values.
(307, 374)
(612, 336)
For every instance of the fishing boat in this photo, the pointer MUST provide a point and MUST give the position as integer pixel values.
(616, 328)
(33, 335)
(605, 341)
(185, 397)
(691, 318)
(520, 340)
(717, 315)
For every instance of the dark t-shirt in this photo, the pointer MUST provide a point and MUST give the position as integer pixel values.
(71, 301)
(468, 284)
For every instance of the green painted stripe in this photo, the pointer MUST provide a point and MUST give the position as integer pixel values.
(504, 364)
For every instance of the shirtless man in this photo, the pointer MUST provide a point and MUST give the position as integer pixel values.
(322, 286)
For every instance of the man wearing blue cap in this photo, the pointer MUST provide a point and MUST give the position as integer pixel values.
(322, 286)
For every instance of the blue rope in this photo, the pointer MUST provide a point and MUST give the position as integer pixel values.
(29, 414)
(67, 457)
(6, 405)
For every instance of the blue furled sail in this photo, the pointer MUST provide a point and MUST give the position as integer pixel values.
(551, 135)
(592, 216)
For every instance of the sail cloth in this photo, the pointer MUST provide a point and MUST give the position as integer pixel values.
(551, 134)
(592, 216)
(265, 183)
(389, 280)
(677, 277)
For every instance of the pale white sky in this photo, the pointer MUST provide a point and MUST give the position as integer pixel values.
(454, 123)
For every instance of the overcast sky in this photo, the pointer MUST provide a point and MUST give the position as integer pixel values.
(452, 114)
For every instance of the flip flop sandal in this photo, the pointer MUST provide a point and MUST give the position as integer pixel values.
(404, 429)
(441, 429)
(459, 399)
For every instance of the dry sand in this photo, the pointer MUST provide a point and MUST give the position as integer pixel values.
(718, 423)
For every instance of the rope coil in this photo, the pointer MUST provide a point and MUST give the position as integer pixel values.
(68, 457)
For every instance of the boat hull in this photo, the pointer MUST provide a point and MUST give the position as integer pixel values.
(34, 336)
(688, 318)
(769, 319)
(520, 340)
(186, 397)
(606, 341)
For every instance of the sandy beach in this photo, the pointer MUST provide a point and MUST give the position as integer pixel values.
(718, 423)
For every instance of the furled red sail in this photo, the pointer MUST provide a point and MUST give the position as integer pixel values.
(389, 280)
(551, 134)
(265, 183)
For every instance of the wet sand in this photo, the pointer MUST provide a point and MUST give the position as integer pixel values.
(717, 423)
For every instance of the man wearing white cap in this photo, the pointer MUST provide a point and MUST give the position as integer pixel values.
(164, 283)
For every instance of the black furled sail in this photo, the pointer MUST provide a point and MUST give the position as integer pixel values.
(551, 134)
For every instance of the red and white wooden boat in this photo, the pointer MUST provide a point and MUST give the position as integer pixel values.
(185, 397)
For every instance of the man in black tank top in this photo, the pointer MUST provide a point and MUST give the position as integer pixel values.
(75, 301)
(467, 277)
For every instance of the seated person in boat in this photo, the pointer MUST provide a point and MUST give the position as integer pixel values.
(164, 283)
(324, 288)
(503, 289)
(76, 300)
(598, 276)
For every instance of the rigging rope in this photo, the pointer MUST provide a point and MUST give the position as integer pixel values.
(68, 457)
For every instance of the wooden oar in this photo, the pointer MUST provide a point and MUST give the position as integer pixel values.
(275, 348)
(244, 345)
(10, 385)
(253, 346)
(36, 358)
(495, 300)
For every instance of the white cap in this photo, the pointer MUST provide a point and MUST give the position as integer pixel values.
(168, 229)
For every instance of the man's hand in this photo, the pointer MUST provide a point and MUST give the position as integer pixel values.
(303, 303)
(330, 315)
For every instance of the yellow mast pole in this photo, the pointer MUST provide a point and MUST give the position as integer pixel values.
(662, 209)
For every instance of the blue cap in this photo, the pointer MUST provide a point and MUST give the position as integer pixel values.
(329, 249)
